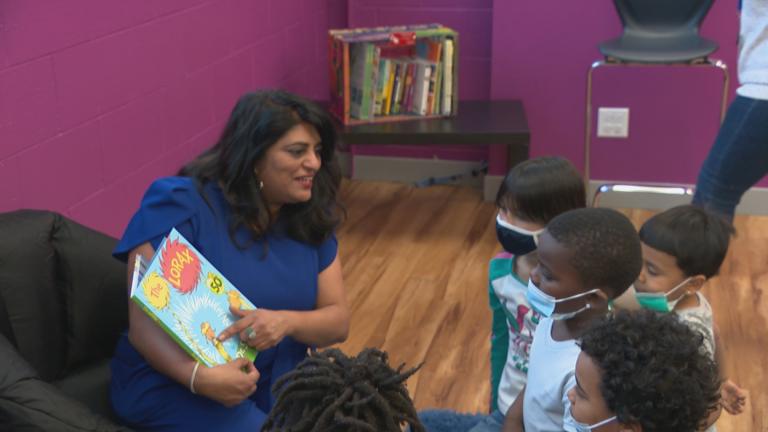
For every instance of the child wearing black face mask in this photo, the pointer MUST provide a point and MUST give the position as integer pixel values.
(532, 194)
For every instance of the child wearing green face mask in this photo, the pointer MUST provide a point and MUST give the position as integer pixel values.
(682, 248)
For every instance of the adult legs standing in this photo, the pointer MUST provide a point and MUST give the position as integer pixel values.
(738, 159)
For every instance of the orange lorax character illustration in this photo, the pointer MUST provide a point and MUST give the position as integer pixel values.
(234, 299)
(210, 335)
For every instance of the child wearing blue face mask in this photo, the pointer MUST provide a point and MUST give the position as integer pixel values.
(668, 368)
(586, 258)
(682, 248)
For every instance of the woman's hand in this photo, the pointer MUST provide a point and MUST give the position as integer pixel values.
(229, 383)
(261, 328)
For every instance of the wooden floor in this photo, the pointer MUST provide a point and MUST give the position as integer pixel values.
(415, 267)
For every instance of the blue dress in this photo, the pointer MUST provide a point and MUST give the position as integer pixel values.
(283, 279)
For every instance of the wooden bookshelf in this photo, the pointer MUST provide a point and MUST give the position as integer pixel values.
(387, 74)
(482, 122)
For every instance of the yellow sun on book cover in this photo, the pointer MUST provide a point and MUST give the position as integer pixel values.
(190, 300)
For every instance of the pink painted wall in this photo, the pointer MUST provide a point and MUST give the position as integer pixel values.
(99, 97)
(473, 20)
(541, 53)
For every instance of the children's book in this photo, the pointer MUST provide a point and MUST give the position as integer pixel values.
(381, 83)
(190, 300)
(448, 60)
(424, 70)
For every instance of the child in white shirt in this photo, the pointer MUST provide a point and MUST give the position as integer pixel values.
(587, 257)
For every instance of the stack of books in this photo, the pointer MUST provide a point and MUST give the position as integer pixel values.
(393, 73)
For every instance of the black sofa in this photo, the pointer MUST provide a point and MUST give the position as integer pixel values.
(63, 304)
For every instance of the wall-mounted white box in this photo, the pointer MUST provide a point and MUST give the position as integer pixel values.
(613, 122)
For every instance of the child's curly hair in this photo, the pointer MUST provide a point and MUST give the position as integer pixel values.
(655, 371)
(329, 391)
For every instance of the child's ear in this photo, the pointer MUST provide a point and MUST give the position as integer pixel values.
(601, 293)
(697, 282)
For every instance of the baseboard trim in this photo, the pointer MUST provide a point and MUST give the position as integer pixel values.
(754, 202)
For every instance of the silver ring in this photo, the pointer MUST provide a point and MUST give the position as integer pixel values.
(250, 333)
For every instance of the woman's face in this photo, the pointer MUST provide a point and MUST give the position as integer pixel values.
(289, 166)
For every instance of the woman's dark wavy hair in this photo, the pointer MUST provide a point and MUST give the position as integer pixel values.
(539, 189)
(257, 121)
(655, 371)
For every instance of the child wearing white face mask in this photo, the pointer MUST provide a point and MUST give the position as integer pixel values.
(682, 248)
(532, 193)
(668, 368)
(587, 257)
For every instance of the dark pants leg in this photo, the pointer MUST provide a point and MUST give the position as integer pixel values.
(738, 159)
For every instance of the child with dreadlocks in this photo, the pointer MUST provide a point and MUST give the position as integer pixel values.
(329, 391)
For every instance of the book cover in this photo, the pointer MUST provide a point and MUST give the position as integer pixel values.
(397, 90)
(418, 84)
(181, 291)
(388, 89)
(431, 88)
(368, 84)
(430, 49)
(373, 87)
(447, 76)
(381, 84)
(408, 98)
(421, 83)
(437, 102)
(357, 76)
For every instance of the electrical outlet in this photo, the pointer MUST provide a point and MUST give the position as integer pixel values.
(613, 122)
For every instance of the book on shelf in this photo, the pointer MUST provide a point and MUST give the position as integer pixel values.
(381, 84)
(408, 90)
(190, 299)
(393, 73)
(397, 90)
(448, 80)
(388, 88)
(431, 50)
(363, 80)
(422, 78)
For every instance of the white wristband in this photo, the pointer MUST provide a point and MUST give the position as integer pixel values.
(192, 378)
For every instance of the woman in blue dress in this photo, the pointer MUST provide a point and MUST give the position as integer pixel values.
(261, 206)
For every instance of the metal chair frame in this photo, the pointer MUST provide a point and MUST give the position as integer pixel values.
(646, 188)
